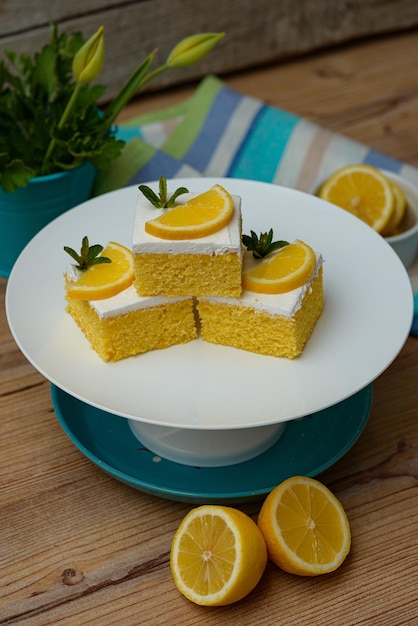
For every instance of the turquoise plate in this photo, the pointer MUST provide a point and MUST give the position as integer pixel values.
(307, 447)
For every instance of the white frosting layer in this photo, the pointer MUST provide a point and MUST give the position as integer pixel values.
(226, 240)
(127, 301)
(285, 304)
(123, 302)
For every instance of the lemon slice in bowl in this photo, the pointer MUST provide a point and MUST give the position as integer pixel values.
(203, 215)
(305, 527)
(218, 555)
(287, 269)
(398, 211)
(363, 191)
(106, 279)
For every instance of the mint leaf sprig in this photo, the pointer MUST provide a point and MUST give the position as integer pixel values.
(263, 245)
(89, 255)
(162, 201)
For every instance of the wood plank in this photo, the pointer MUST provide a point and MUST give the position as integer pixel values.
(265, 31)
(21, 16)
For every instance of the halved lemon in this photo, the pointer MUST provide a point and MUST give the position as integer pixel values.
(363, 191)
(287, 269)
(305, 527)
(218, 555)
(106, 279)
(201, 216)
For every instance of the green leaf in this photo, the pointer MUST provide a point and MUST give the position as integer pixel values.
(85, 248)
(150, 195)
(178, 192)
(163, 190)
(73, 254)
(44, 70)
(161, 201)
(15, 174)
(130, 88)
(263, 245)
(98, 260)
(89, 255)
(94, 251)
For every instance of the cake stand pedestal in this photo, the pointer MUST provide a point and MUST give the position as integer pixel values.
(306, 446)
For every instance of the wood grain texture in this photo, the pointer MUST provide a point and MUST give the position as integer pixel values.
(258, 31)
(78, 547)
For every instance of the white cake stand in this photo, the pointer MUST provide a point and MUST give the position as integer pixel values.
(212, 403)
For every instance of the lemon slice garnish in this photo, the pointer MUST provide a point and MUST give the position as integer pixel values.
(284, 271)
(203, 215)
(106, 279)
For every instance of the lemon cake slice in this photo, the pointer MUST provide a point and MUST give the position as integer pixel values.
(127, 324)
(178, 258)
(274, 324)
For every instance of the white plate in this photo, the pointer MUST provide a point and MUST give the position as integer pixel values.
(366, 320)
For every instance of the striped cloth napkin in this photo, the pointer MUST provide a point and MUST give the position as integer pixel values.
(220, 132)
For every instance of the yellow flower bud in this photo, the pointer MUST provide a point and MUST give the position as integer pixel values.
(192, 49)
(88, 61)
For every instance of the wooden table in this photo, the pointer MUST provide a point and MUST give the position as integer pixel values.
(78, 547)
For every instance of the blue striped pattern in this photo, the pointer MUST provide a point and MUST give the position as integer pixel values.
(264, 145)
(160, 164)
(382, 161)
(223, 107)
(254, 142)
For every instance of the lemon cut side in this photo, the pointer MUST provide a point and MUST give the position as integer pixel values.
(218, 555)
(363, 191)
(305, 527)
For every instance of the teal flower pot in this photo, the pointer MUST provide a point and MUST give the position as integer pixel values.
(26, 211)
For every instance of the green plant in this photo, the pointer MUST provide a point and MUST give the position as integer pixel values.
(50, 119)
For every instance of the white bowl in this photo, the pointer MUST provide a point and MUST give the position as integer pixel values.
(405, 243)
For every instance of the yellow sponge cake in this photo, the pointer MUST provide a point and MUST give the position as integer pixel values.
(188, 274)
(206, 265)
(270, 324)
(127, 324)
